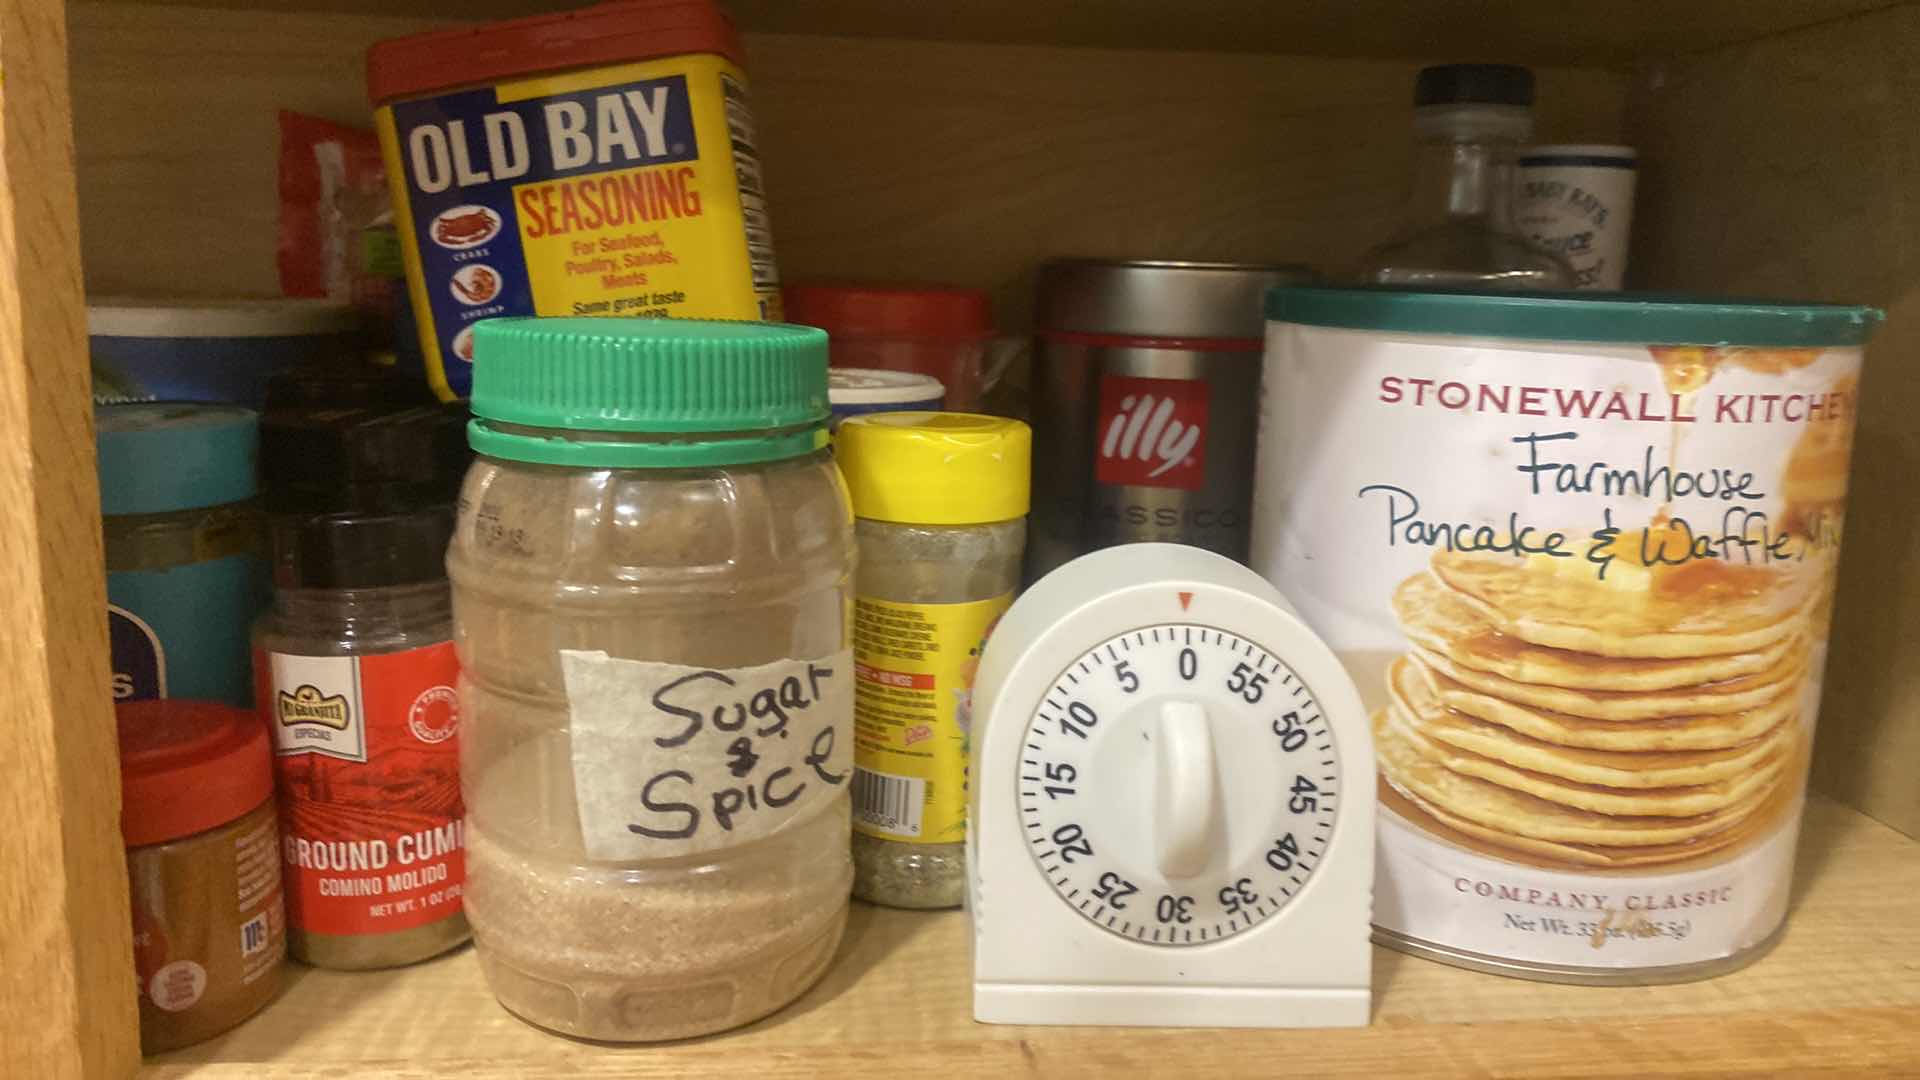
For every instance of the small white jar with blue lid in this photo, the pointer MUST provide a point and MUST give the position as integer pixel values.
(858, 391)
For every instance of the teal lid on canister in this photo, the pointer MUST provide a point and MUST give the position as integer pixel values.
(647, 393)
(160, 457)
(1599, 318)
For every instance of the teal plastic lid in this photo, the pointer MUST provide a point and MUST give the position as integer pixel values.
(647, 393)
(1601, 318)
(156, 458)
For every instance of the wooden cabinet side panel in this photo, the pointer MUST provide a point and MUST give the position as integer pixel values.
(1786, 167)
(66, 983)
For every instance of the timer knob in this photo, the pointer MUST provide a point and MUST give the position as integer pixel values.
(1186, 798)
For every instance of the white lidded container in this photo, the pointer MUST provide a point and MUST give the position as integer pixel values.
(652, 580)
(1576, 201)
(153, 349)
(859, 391)
(1578, 553)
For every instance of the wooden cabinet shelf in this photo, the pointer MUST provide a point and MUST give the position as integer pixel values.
(1840, 992)
(1613, 32)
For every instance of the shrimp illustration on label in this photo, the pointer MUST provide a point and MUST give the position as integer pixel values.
(475, 284)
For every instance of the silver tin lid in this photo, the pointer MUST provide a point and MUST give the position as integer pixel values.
(1146, 298)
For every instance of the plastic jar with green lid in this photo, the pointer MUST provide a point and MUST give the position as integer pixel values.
(941, 501)
(652, 573)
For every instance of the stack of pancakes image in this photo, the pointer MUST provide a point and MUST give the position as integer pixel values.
(1547, 716)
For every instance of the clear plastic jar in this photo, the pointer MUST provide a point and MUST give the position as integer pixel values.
(656, 685)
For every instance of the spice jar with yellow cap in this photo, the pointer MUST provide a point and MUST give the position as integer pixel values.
(941, 502)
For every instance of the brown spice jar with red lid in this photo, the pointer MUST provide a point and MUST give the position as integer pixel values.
(203, 859)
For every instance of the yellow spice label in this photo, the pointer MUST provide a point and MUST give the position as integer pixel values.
(913, 715)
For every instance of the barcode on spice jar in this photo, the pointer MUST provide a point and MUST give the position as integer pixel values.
(889, 803)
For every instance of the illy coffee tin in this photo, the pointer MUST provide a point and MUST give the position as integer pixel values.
(1577, 551)
(1146, 381)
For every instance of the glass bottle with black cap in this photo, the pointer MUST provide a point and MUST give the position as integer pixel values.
(356, 674)
(1470, 120)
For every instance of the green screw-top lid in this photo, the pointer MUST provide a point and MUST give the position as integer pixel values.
(647, 393)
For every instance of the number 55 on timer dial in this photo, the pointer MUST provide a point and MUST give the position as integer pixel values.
(1172, 805)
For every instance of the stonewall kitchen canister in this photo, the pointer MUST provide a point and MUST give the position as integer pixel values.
(1145, 376)
(1578, 552)
(652, 595)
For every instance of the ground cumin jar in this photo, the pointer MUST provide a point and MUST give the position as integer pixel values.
(355, 676)
(209, 928)
(651, 584)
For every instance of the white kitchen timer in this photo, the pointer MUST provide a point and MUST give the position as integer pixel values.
(1172, 804)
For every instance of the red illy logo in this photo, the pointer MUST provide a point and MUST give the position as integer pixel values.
(1152, 432)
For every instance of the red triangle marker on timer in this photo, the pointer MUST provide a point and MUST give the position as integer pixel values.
(1185, 599)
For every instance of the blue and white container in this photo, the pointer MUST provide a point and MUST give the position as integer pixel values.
(858, 391)
(184, 543)
(211, 350)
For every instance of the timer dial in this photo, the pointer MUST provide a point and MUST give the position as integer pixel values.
(1178, 784)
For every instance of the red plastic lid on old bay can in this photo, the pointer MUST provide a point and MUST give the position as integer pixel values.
(188, 766)
(602, 34)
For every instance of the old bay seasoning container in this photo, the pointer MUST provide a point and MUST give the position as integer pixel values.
(1579, 555)
(196, 812)
(356, 676)
(652, 584)
(592, 162)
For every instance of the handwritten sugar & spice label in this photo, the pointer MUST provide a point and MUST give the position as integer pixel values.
(674, 760)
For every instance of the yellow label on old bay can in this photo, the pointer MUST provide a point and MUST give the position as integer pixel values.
(914, 666)
(631, 189)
